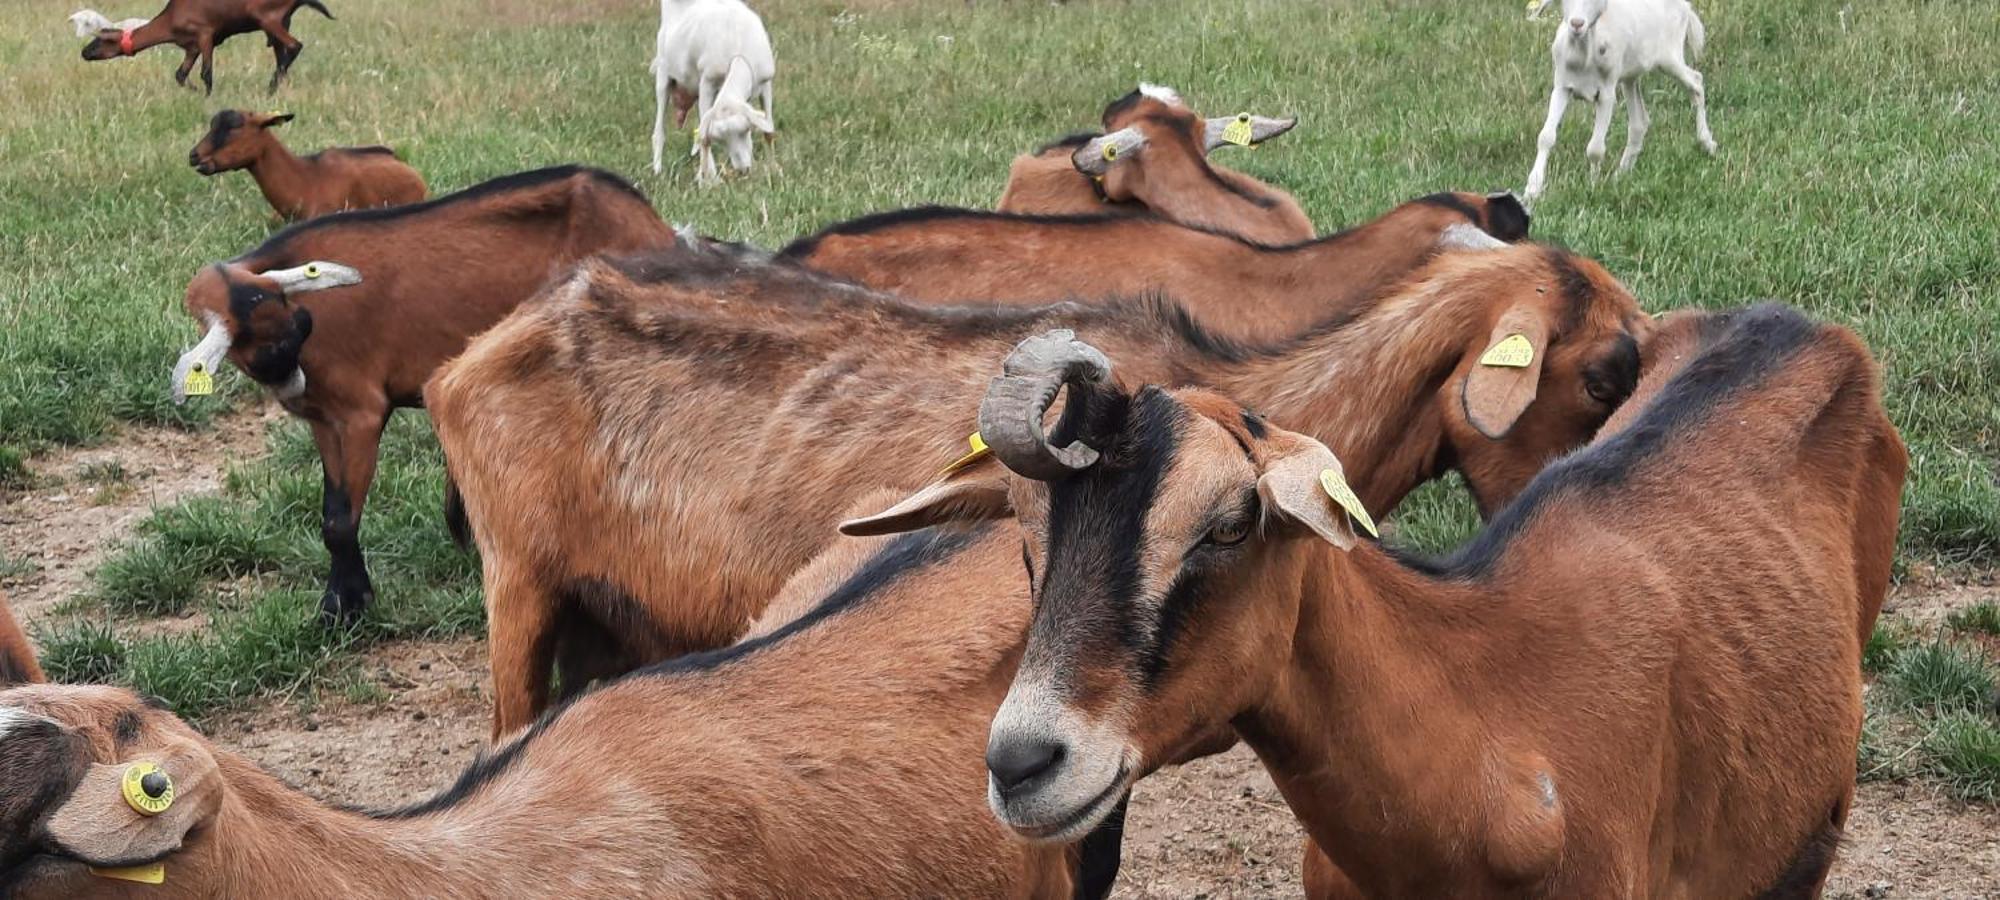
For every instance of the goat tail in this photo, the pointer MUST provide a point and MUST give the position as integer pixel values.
(1697, 36)
(455, 520)
(315, 4)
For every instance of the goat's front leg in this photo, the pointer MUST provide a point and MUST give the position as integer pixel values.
(1558, 103)
(661, 88)
(1636, 123)
(1607, 103)
(521, 640)
(1693, 80)
(347, 450)
(705, 99)
(206, 44)
(1324, 880)
(187, 65)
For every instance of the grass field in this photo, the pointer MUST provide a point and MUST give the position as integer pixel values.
(1857, 178)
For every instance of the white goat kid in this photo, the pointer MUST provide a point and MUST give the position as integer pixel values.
(1604, 45)
(729, 121)
(89, 22)
(698, 41)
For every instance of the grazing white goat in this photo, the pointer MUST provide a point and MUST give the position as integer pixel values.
(729, 121)
(90, 21)
(699, 40)
(1603, 45)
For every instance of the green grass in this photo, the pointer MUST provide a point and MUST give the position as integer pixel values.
(1941, 675)
(1964, 751)
(1979, 618)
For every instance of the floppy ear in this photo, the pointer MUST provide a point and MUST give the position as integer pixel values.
(276, 119)
(1506, 218)
(1097, 154)
(974, 489)
(1243, 130)
(762, 122)
(100, 826)
(1295, 487)
(1503, 379)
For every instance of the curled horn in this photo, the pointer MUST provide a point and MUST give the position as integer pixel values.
(1010, 417)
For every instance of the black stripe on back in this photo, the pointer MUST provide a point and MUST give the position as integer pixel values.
(904, 554)
(378, 215)
(1453, 202)
(1738, 351)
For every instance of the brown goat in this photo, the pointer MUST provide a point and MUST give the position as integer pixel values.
(1239, 289)
(197, 26)
(405, 288)
(334, 179)
(1153, 158)
(718, 415)
(17, 656)
(1641, 679)
(786, 766)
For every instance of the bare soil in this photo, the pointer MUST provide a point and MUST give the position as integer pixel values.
(74, 514)
(411, 715)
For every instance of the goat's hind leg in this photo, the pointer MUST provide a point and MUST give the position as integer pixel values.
(1698, 89)
(1600, 130)
(521, 643)
(1636, 123)
(187, 66)
(285, 48)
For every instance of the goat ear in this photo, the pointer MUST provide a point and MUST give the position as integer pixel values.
(318, 275)
(1097, 154)
(1243, 130)
(1504, 377)
(1506, 218)
(103, 823)
(974, 489)
(1307, 486)
(762, 122)
(276, 119)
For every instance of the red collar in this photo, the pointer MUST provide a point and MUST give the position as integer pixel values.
(125, 41)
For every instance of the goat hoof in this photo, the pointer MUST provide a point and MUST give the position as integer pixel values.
(336, 610)
(1708, 146)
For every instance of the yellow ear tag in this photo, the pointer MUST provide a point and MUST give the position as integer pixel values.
(979, 452)
(198, 382)
(148, 789)
(152, 874)
(1336, 487)
(1513, 352)
(312, 270)
(1238, 132)
(1110, 152)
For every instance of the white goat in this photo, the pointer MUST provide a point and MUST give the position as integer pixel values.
(699, 40)
(729, 121)
(89, 22)
(1603, 45)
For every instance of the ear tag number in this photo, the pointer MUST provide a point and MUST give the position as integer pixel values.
(198, 382)
(1336, 487)
(1513, 352)
(1238, 132)
(147, 789)
(150, 874)
(979, 452)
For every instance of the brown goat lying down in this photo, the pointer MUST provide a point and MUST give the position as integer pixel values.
(1237, 288)
(331, 180)
(790, 765)
(197, 26)
(346, 316)
(17, 656)
(718, 415)
(1152, 157)
(1642, 679)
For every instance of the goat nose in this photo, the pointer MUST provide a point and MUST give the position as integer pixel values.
(1015, 761)
(1576, 23)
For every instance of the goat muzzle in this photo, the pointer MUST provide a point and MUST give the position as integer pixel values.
(1010, 416)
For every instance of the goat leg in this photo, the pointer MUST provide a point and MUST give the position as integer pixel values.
(521, 644)
(187, 66)
(1636, 122)
(347, 451)
(1607, 103)
(1537, 176)
(206, 43)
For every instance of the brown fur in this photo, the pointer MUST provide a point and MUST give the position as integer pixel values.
(434, 275)
(1238, 288)
(331, 180)
(1649, 687)
(1171, 178)
(197, 26)
(17, 655)
(718, 415)
(795, 767)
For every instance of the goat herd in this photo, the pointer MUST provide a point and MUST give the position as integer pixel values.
(765, 621)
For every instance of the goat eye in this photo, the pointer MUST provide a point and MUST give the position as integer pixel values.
(1601, 391)
(1228, 534)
